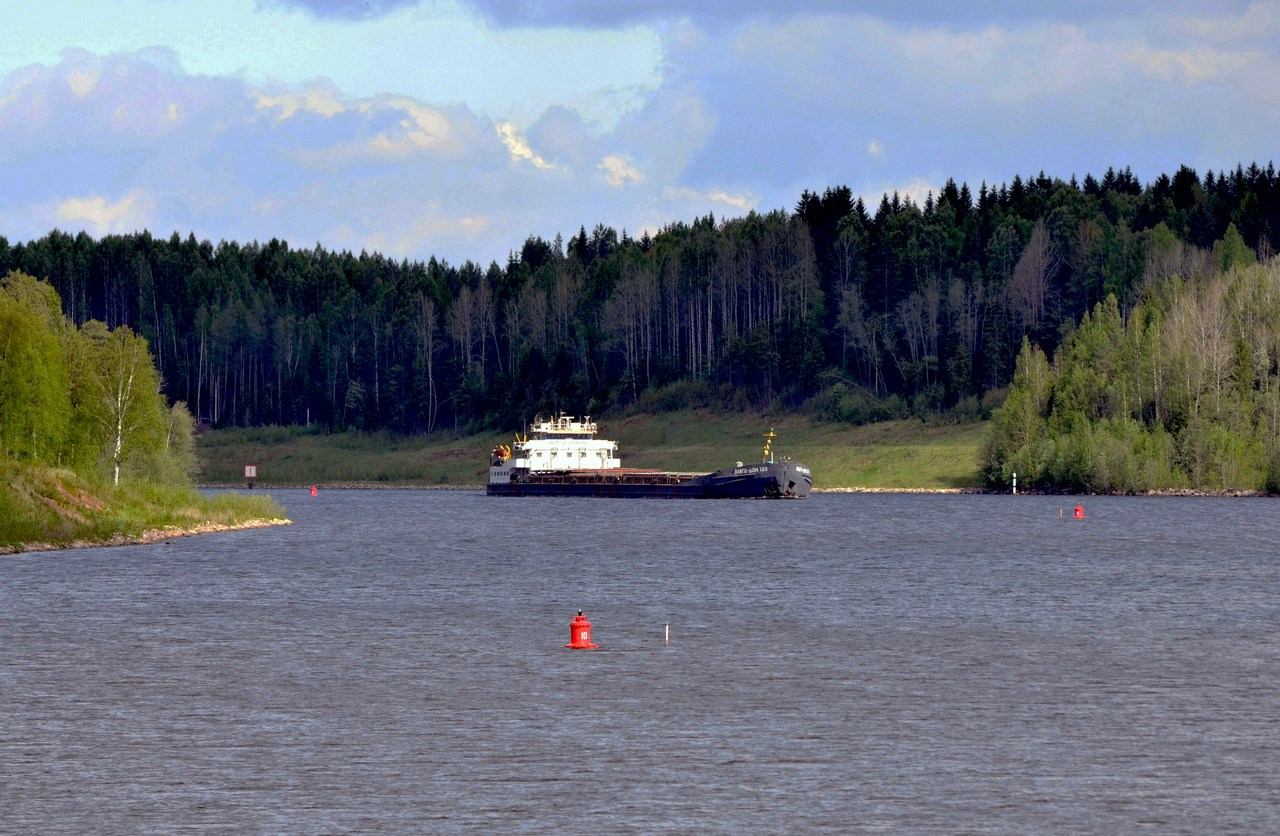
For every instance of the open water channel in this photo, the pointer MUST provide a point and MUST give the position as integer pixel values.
(394, 662)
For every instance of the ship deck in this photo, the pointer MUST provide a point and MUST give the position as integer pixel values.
(610, 476)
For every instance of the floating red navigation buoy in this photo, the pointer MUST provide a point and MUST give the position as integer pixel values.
(580, 633)
(1079, 513)
(313, 490)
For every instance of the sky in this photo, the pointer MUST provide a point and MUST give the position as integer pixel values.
(459, 128)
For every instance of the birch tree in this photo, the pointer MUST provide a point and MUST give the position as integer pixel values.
(1029, 283)
(130, 410)
(425, 328)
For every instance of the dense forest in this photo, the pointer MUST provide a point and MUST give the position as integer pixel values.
(849, 312)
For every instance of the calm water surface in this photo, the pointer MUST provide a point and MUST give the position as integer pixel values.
(393, 662)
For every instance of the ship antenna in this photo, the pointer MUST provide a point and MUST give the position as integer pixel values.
(768, 446)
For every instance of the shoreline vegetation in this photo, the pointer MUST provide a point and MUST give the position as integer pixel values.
(145, 538)
(60, 509)
(91, 452)
(49, 509)
(905, 456)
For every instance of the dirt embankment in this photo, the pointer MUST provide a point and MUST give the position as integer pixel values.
(153, 535)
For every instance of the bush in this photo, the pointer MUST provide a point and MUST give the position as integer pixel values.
(1273, 473)
(841, 404)
(681, 395)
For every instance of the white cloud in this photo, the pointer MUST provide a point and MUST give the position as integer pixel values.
(128, 214)
(84, 81)
(697, 202)
(618, 171)
(425, 230)
(312, 99)
(1187, 67)
(519, 146)
(743, 203)
(419, 129)
(916, 190)
(431, 50)
(387, 129)
(19, 83)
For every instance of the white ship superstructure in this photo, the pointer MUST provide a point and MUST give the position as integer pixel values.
(560, 444)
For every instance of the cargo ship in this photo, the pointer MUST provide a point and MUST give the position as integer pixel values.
(563, 457)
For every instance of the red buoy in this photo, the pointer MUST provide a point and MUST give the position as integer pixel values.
(313, 490)
(580, 633)
(1079, 514)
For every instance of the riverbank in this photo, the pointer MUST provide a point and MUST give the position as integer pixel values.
(480, 486)
(42, 509)
(892, 455)
(154, 535)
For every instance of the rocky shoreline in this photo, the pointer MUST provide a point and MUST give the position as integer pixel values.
(152, 535)
(972, 491)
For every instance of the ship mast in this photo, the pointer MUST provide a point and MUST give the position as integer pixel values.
(768, 446)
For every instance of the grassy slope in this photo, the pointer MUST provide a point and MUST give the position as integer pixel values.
(896, 454)
(42, 507)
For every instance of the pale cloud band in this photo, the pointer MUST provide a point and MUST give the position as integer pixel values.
(100, 216)
(458, 129)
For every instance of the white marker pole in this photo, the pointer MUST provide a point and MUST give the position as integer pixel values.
(1015, 483)
(666, 637)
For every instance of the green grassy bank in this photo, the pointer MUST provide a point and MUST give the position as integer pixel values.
(43, 508)
(905, 455)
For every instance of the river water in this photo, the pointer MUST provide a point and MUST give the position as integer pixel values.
(394, 662)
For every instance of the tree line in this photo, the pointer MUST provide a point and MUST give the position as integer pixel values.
(851, 313)
(84, 398)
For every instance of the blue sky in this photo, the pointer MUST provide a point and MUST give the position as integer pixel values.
(457, 128)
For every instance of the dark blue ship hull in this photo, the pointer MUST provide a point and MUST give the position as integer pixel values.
(768, 480)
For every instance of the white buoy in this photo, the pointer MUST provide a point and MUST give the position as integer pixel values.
(666, 637)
